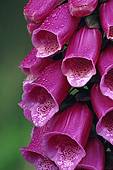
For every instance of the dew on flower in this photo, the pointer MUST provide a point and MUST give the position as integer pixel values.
(78, 71)
(47, 43)
(45, 164)
(66, 152)
(41, 105)
(108, 80)
(39, 161)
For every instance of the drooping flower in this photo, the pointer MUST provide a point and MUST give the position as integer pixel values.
(80, 8)
(81, 56)
(106, 18)
(65, 142)
(54, 32)
(34, 152)
(37, 10)
(105, 67)
(95, 156)
(103, 107)
(44, 92)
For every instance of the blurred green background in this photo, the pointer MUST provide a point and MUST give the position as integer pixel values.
(14, 45)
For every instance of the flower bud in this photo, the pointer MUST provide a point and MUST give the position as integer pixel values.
(44, 93)
(80, 8)
(54, 32)
(105, 67)
(106, 18)
(81, 56)
(95, 156)
(37, 10)
(103, 107)
(64, 143)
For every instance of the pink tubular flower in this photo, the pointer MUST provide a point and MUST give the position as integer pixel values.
(66, 140)
(37, 10)
(80, 8)
(35, 154)
(95, 156)
(81, 56)
(54, 32)
(103, 107)
(32, 26)
(29, 61)
(105, 67)
(106, 18)
(31, 65)
(43, 94)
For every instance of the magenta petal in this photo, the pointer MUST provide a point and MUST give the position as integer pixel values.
(103, 107)
(105, 67)
(31, 65)
(79, 62)
(54, 32)
(106, 18)
(95, 156)
(32, 26)
(43, 95)
(38, 10)
(80, 8)
(66, 140)
(28, 61)
(35, 154)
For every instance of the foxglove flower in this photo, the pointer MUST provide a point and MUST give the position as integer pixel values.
(68, 136)
(54, 32)
(103, 107)
(106, 18)
(81, 56)
(43, 94)
(37, 10)
(29, 61)
(80, 8)
(32, 26)
(31, 65)
(105, 67)
(34, 152)
(95, 156)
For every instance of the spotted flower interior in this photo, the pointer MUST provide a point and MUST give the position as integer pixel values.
(78, 71)
(41, 105)
(64, 151)
(46, 43)
(105, 127)
(108, 80)
(40, 162)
